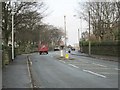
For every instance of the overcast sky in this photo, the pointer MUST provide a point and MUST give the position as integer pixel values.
(59, 8)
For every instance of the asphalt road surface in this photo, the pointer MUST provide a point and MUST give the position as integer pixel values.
(0, 69)
(82, 72)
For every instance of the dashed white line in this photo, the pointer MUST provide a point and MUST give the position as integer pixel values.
(73, 65)
(117, 69)
(94, 73)
(99, 65)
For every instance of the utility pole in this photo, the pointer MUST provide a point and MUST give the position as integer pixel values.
(81, 33)
(89, 36)
(12, 35)
(79, 39)
(65, 30)
(78, 35)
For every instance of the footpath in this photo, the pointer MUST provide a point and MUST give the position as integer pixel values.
(109, 58)
(16, 75)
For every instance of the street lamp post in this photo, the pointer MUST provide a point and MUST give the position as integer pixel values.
(80, 32)
(89, 36)
(65, 30)
(78, 35)
(13, 35)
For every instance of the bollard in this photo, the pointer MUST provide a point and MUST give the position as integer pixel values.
(61, 53)
(67, 56)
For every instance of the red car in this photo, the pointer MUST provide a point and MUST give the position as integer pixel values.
(43, 49)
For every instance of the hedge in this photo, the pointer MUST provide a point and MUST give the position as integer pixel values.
(101, 48)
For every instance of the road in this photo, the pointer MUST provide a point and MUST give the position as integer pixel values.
(82, 72)
(0, 69)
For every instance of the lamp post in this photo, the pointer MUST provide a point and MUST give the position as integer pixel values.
(78, 35)
(13, 13)
(89, 36)
(65, 30)
(80, 32)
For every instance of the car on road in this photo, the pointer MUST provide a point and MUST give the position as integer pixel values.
(72, 48)
(57, 48)
(43, 48)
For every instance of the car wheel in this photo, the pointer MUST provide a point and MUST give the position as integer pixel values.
(40, 53)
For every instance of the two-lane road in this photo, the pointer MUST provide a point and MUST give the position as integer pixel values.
(0, 69)
(49, 72)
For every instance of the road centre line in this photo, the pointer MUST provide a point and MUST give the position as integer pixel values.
(99, 65)
(73, 65)
(94, 73)
(117, 69)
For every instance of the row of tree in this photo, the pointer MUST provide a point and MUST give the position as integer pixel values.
(104, 20)
(28, 26)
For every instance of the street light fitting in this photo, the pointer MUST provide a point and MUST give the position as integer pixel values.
(74, 15)
(77, 16)
(13, 13)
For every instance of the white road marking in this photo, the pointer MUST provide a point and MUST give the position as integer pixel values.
(73, 65)
(94, 73)
(99, 65)
(117, 69)
(62, 61)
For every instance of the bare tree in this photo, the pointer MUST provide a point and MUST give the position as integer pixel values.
(26, 15)
(104, 16)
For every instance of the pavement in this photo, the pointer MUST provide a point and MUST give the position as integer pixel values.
(109, 58)
(16, 74)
